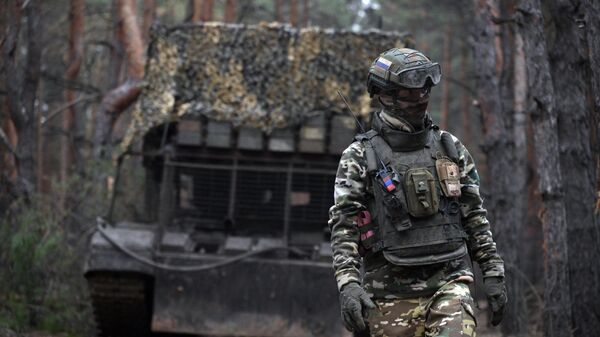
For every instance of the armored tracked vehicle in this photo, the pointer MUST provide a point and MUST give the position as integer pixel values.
(240, 130)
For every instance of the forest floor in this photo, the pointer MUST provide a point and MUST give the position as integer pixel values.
(483, 330)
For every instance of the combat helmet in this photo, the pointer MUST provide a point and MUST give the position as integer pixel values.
(402, 67)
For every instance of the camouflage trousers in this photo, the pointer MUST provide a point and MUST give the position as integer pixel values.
(448, 313)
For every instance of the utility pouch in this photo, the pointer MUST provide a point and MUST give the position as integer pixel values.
(449, 176)
(391, 206)
(421, 194)
(366, 229)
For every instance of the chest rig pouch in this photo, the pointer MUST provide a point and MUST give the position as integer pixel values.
(421, 193)
(419, 222)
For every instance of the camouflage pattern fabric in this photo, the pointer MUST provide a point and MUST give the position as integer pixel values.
(267, 76)
(351, 192)
(448, 313)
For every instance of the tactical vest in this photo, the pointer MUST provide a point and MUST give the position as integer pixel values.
(418, 221)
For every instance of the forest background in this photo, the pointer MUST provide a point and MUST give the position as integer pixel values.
(521, 88)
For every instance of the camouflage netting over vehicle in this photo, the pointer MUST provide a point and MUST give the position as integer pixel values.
(267, 76)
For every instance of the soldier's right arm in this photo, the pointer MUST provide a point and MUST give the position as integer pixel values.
(349, 200)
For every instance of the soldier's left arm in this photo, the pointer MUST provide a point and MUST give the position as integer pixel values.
(479, 235)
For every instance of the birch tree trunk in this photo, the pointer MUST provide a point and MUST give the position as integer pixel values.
(557, 300)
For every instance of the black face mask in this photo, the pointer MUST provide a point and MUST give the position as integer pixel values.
(410, 108)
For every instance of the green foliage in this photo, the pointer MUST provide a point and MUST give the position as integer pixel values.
(43, 246)
(40, 286)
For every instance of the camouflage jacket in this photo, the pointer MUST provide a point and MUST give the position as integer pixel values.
(353, 189)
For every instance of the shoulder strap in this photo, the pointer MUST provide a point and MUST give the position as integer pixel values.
(383, 149)
(365, 139)
(449, 146)
(366, 135)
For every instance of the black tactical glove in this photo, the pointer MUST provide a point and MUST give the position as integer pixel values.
(495, 290)
(354, 302)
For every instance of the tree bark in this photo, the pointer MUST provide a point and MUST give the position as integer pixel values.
(467, 101)
(278, 10)
(591, 20)
(196, 7)
(229, 15)
(149, 17)
(131, 38)
(447, 70)
(10, 138)
(305, 13)
(506, 166)
(75, 58)
(515, 86)
(557, 300)
(28, 132)
(569, 67)
(120, 98)
(207, 10)
(114, 74)
(293, 13)
(21, 86)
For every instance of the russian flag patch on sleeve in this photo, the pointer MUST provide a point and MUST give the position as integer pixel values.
(383, 63)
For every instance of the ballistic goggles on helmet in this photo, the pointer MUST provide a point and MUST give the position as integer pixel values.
(411, 78)
(417, 77)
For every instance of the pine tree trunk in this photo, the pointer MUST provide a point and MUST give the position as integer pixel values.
(278, 10)
(9, 163)
(591, 20)
(466, 95)
(515, 319)
(149, 17)
(506, 186)
(75, 58)
(207, 10)
(120, 98)
(196, 8)
(22, 86)
(447, 71)
(293, 13)
(557, 300)
(569, 66)
(229, 15)
(305, 13)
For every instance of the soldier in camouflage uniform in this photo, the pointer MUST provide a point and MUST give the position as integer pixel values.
(407, 211)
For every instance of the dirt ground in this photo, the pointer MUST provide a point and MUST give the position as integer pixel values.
(483, 329)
